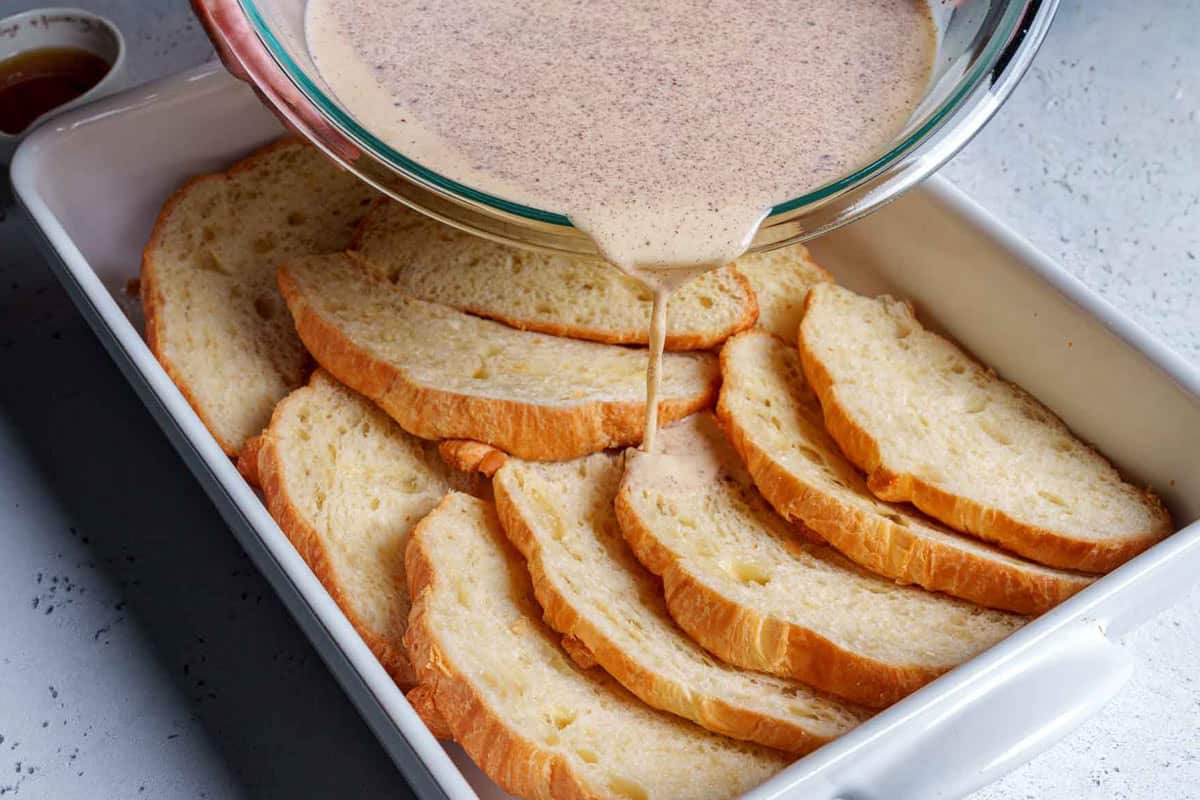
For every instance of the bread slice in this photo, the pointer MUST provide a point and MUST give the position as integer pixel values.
(444, 374)
(761, 594)
(467, 456)
(932, 426)
(534, 722)
(774, 422)
(214, 318)
(595, 592)
(247, 460)
(781, 280)
(556, 294)
(347, 485)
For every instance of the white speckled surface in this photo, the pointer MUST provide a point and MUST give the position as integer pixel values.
(142, 656)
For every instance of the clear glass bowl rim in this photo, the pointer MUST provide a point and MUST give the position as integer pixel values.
(1006, 28)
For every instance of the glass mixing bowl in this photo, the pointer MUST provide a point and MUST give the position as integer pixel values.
(984, 47)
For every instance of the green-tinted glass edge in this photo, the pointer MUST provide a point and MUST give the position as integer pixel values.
(1013, 13)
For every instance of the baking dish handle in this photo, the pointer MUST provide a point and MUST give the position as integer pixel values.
(962, 740)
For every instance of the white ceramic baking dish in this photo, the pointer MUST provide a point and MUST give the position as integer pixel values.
(93, 181)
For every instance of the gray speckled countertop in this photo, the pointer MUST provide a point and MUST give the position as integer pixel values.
(141, 655)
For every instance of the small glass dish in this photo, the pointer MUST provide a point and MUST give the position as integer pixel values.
(984, 47)
(62, 29)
